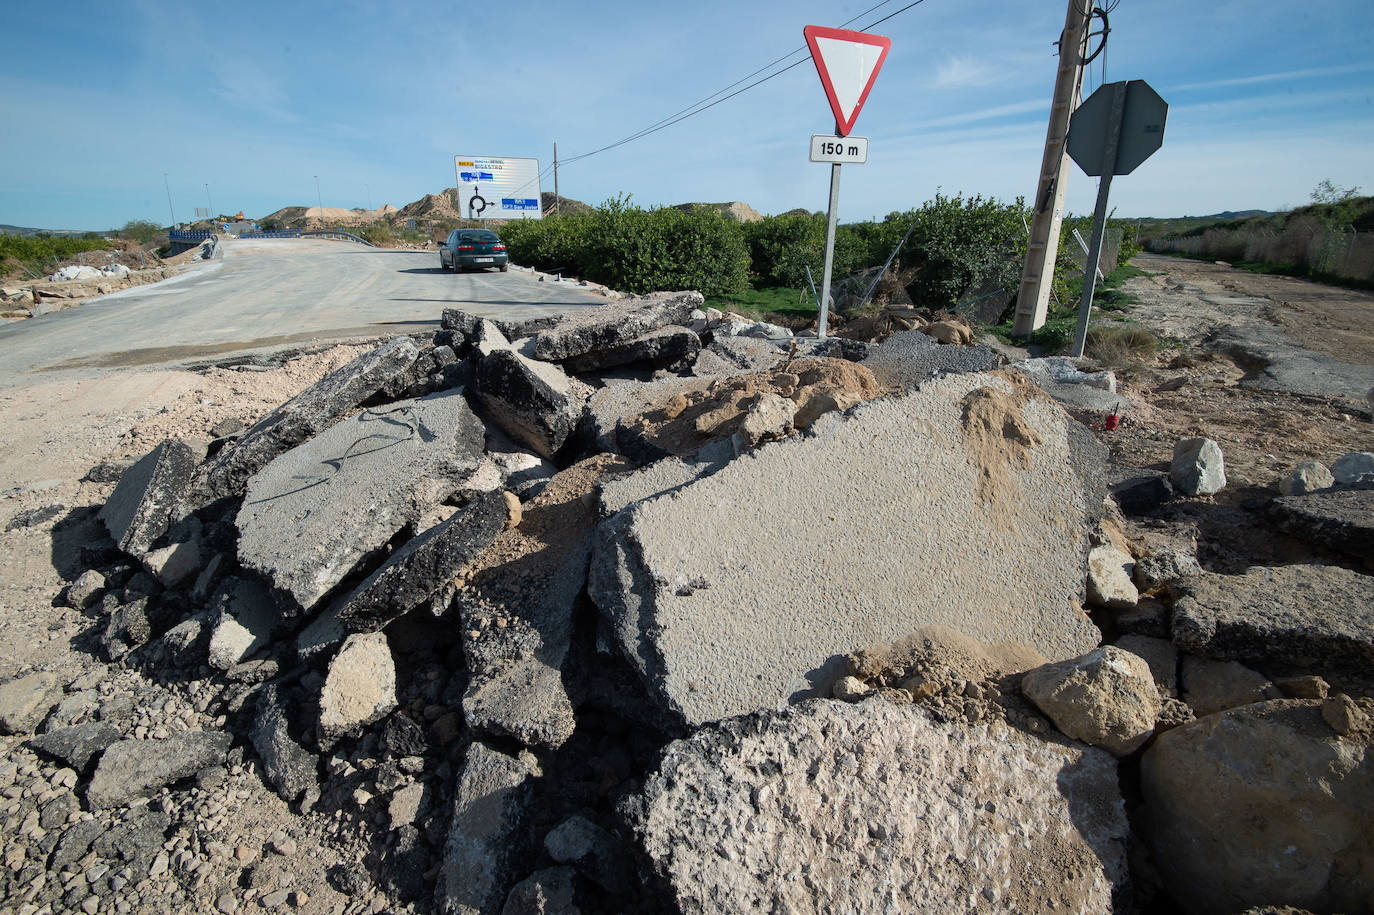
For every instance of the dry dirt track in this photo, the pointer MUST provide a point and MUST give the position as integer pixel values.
(269, 294)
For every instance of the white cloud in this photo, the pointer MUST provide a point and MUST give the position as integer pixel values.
(1280, 76)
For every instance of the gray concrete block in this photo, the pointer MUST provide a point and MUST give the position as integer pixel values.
(615, 322)
(132, 769)
(307, 414)
(314, 512)
(744, 589)
(423, 565)
(733, 355)
(140, 509)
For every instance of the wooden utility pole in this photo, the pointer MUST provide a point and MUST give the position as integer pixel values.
(1037, 276)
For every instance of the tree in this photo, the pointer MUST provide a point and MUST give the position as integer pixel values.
(140, 230)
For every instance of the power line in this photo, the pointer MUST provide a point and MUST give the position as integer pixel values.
(693, 110)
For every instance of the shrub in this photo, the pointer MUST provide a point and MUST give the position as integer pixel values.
(140, 230)
(379, 233)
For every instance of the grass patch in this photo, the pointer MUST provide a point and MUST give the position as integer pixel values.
(778, 304)
(1057, 331)
(1120, 344)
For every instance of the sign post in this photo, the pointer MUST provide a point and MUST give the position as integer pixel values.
(848, 64)
(1117, 128)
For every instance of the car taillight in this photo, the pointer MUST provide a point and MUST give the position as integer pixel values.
(498, 247)
(466, 248)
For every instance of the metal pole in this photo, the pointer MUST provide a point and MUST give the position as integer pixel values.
(318, 198)
(829, 248)
(557, 211)
(209, 201)
(169, 198)
(814, 295)
(1085, 305)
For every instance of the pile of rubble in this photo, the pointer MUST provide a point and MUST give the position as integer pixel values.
(634, 611)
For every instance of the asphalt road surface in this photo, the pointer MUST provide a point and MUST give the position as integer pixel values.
(270, 294)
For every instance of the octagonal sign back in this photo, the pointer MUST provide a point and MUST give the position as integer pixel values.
(1142, 128)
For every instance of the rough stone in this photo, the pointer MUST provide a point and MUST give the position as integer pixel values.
(175, 564)
(907, 360)
(1340, 520)
(1063, 370)
(1353, 468)
(318, 509)
(666, 347)
(407, 805)
(1166, 567)
(289, 767)
(1160, 654)
(132, 769)
(26, 701)
(895, 802)
(87, 587)
(592, 850)
(979, 459)
(1106, 698)
(140, 509)
(533, 402)
(531, 577)
(769, 416)
(77, 745)
(304, 416)
(1261, 805)
(1197, 468)
(424, 565)
(1344, 715)
(1308, 476)
(246, 617)
(733, 355)
(486, 839)
(551, 891)
(1109, 579)
(1315, 618)
(1214, 686)
(1142, 493)
(610, 406)
(360, 687)
(592, 329)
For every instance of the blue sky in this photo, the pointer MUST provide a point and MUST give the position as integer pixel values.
(255, 100)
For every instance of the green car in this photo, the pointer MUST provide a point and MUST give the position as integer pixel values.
(466, 248)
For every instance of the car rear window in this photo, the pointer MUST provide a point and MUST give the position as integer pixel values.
(481, 236)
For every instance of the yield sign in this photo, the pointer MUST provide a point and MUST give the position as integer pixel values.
(848, 63)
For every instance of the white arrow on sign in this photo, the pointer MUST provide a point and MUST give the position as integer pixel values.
(848, 64)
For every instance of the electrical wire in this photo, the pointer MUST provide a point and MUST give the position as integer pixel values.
(692, 111)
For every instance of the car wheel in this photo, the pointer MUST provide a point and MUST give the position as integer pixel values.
(503, 268)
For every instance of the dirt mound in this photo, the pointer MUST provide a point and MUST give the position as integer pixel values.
(691, 420)
(432, 206)
(735, 211)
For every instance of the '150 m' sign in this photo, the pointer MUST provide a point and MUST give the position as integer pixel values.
(848, 150)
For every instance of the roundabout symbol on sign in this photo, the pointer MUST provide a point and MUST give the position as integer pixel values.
(477, 204)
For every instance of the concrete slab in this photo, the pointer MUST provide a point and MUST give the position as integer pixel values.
(536, 403)
(959, 505)
(1316, 618)
(1341, 520)
(665, 347)
(314, 512)
(307, 414)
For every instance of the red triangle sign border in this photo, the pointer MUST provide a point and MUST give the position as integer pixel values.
(843, 126)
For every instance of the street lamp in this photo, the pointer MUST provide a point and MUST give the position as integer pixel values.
(318, 198)
(209, 201)
(169, 198)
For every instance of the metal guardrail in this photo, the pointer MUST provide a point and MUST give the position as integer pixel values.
(275, 233)
(341, 236)
(186, 235)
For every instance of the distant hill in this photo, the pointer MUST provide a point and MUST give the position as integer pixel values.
(6, 229)
(739, 212)
(1233, 214)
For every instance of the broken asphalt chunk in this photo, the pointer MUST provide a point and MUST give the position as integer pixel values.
(140, 509)
(314, 512)
(614, 323)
